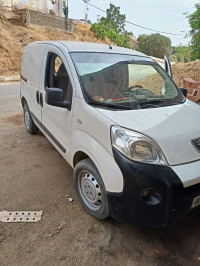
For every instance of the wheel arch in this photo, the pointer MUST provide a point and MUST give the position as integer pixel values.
(23, 101)
(104, 162)
(79, 156)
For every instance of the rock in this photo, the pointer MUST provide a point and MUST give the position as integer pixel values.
(70, 199)
(106, 240)
(90, 230)
(63, 258)
(52, 12)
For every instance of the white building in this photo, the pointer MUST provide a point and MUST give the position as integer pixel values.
(39, 5)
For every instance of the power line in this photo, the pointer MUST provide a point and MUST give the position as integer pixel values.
(136, 25)
(169, 33)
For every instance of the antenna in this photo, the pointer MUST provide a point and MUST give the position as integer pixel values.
(110, 47)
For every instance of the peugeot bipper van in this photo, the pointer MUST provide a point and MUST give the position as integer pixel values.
(120, 121)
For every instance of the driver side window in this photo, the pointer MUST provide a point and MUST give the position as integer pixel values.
(57, 76)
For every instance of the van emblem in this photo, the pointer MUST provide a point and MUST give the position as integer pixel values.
(196, 144)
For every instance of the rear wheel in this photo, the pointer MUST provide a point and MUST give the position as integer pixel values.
(28, 121)
(90, 189)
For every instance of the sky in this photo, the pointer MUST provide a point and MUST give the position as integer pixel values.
(161, 15)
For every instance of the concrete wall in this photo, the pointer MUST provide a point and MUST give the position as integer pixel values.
(39, 5)
(35, 18)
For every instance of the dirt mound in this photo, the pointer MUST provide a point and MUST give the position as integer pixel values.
(13, 40)
(187, 70)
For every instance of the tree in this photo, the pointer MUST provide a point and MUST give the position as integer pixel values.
(182, 53)
(65, 8)
(113, 27)
(155, 45)
(173, 58)
(194, 21)
(114, 20)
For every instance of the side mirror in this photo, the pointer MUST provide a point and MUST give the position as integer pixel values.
(184, 91)
(168, 68)
(55, 97)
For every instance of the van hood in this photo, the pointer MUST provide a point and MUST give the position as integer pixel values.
(172, 127)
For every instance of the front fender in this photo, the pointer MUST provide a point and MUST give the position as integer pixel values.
(101, 157)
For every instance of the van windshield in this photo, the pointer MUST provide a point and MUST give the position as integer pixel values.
(124, 81)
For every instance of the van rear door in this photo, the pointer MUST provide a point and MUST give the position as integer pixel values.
(31, 72)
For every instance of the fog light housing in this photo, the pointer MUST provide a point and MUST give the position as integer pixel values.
(151, 196)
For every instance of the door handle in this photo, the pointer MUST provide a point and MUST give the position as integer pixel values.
(41, 99)
(37, 97)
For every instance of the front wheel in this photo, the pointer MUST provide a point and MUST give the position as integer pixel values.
(28, 121)
(90, 189)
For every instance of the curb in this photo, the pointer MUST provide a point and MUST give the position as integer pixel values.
(9, 79)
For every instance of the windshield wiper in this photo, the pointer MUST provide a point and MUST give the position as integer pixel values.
(152, 103)
(113, 106)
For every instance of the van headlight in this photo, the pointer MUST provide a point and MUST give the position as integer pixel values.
(136, 146)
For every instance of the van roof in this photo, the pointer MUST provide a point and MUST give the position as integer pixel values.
(93, 47)
(97, 47)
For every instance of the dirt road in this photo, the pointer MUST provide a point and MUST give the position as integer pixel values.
(33, 176)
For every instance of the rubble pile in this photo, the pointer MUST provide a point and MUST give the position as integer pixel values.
(187, 70)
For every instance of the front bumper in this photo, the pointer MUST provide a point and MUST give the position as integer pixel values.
(129, 207)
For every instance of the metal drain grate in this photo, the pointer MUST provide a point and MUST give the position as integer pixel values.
(20, 216)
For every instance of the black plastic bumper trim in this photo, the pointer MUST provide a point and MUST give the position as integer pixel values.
(129, 207)
(49, 133)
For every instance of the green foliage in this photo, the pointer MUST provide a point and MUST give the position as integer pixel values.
(182, 53)
(113, 27)
(65, 9)
(194, 21)
(173, 58)
(114, 20)
(99, 30)
(155, 45)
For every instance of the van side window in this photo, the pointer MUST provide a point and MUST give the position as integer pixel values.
(57, 76)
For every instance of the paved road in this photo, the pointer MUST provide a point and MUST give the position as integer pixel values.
(33, 176)
(9, 99)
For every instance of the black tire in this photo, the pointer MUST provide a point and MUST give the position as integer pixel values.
(28, 121)
(88, 179)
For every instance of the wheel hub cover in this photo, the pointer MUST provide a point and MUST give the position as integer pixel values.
(90, 191)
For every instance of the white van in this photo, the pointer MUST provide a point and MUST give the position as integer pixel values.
(120, 121)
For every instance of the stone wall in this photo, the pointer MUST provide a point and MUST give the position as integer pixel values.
(34, 18)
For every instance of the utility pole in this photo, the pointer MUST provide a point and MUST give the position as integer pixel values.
(60, 8)
(86, 8)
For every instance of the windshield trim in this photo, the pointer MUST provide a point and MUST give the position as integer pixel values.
(151, 61)
(93, 52)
